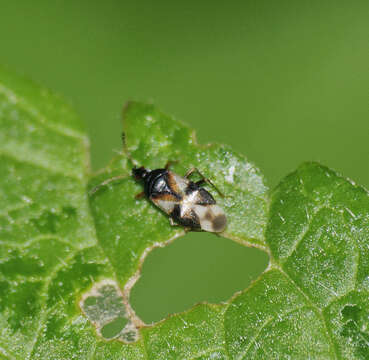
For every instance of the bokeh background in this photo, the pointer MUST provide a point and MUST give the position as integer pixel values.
(281, 81)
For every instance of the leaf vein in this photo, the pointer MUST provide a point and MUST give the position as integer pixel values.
(44, 312)
(12, 97)
(5, 352)
(31, 241)
(304, 231)
(206, 352)
(42, 164)
(317, 309)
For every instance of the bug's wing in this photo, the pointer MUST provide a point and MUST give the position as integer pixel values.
(204, 197)
(177, 183)
(211, 217)
(166, 202)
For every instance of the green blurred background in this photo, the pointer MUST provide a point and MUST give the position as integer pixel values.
(281, 81)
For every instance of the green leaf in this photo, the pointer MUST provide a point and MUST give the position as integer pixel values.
(69, 260)
(313, 299)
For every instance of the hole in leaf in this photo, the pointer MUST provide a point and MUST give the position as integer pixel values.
(90, 301)
(197, 267)
(112, 329)
(104, 306)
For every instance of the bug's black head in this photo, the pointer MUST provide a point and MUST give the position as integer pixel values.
(140, 173)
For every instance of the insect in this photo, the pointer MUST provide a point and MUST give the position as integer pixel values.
(186, 202)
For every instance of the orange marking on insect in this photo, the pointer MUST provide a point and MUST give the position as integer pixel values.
(165, 197)
(172, 183)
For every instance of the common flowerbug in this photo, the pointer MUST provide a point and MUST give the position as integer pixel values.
(186, 202)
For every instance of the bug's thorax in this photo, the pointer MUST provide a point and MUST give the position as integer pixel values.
(157, 183)
(153, 180)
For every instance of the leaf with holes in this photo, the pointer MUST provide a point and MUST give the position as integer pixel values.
(68, 260)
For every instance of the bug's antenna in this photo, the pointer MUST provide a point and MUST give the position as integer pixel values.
(119, 177)
(124, 141)
(106, 182)
(125, 149)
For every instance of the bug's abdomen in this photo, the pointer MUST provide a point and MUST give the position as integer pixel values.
(212, 217)
(200, 217)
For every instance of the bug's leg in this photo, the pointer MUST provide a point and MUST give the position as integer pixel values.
(190, 172)
(106, 182)
(203, 180)
(140, 195)
(200, 182)
(173, 223)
